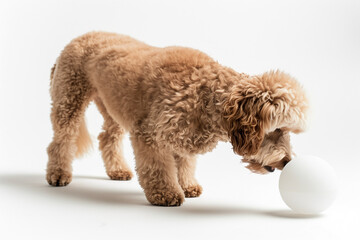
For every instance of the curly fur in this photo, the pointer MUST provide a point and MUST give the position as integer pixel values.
(176, 103)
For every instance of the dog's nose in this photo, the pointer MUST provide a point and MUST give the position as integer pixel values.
(269, 168)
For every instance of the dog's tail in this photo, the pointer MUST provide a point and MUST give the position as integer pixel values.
(52, 72)
(52, 75)
(83, 141)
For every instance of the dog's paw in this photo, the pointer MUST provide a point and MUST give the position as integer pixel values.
(192, 191)
(123, 175)
(58, 178)
(166, 198)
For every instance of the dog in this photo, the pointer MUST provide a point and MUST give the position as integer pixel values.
(175, 103)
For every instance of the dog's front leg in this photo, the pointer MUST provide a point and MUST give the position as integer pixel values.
(157, 174)
(186, 175)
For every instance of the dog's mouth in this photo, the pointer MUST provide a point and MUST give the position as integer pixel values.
(279, 166)
(256, 167)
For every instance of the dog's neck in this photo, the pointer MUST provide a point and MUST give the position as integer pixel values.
(219, 84)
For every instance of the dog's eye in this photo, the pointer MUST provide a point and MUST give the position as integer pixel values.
(269, 168)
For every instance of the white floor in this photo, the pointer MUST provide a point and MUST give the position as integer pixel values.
(235, 204)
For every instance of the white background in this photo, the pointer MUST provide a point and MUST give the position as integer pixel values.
(318, 42)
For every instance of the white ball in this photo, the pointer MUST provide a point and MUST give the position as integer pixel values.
(308, 185)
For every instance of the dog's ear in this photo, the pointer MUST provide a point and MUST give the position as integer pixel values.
(260, 104)
(244, 121)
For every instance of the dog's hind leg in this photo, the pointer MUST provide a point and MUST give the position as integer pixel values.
(71, 93)
(111, 146)
(186, 171)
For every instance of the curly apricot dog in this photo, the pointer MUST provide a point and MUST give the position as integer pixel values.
(175, 103)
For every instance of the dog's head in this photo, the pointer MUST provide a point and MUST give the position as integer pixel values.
(259, 114)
